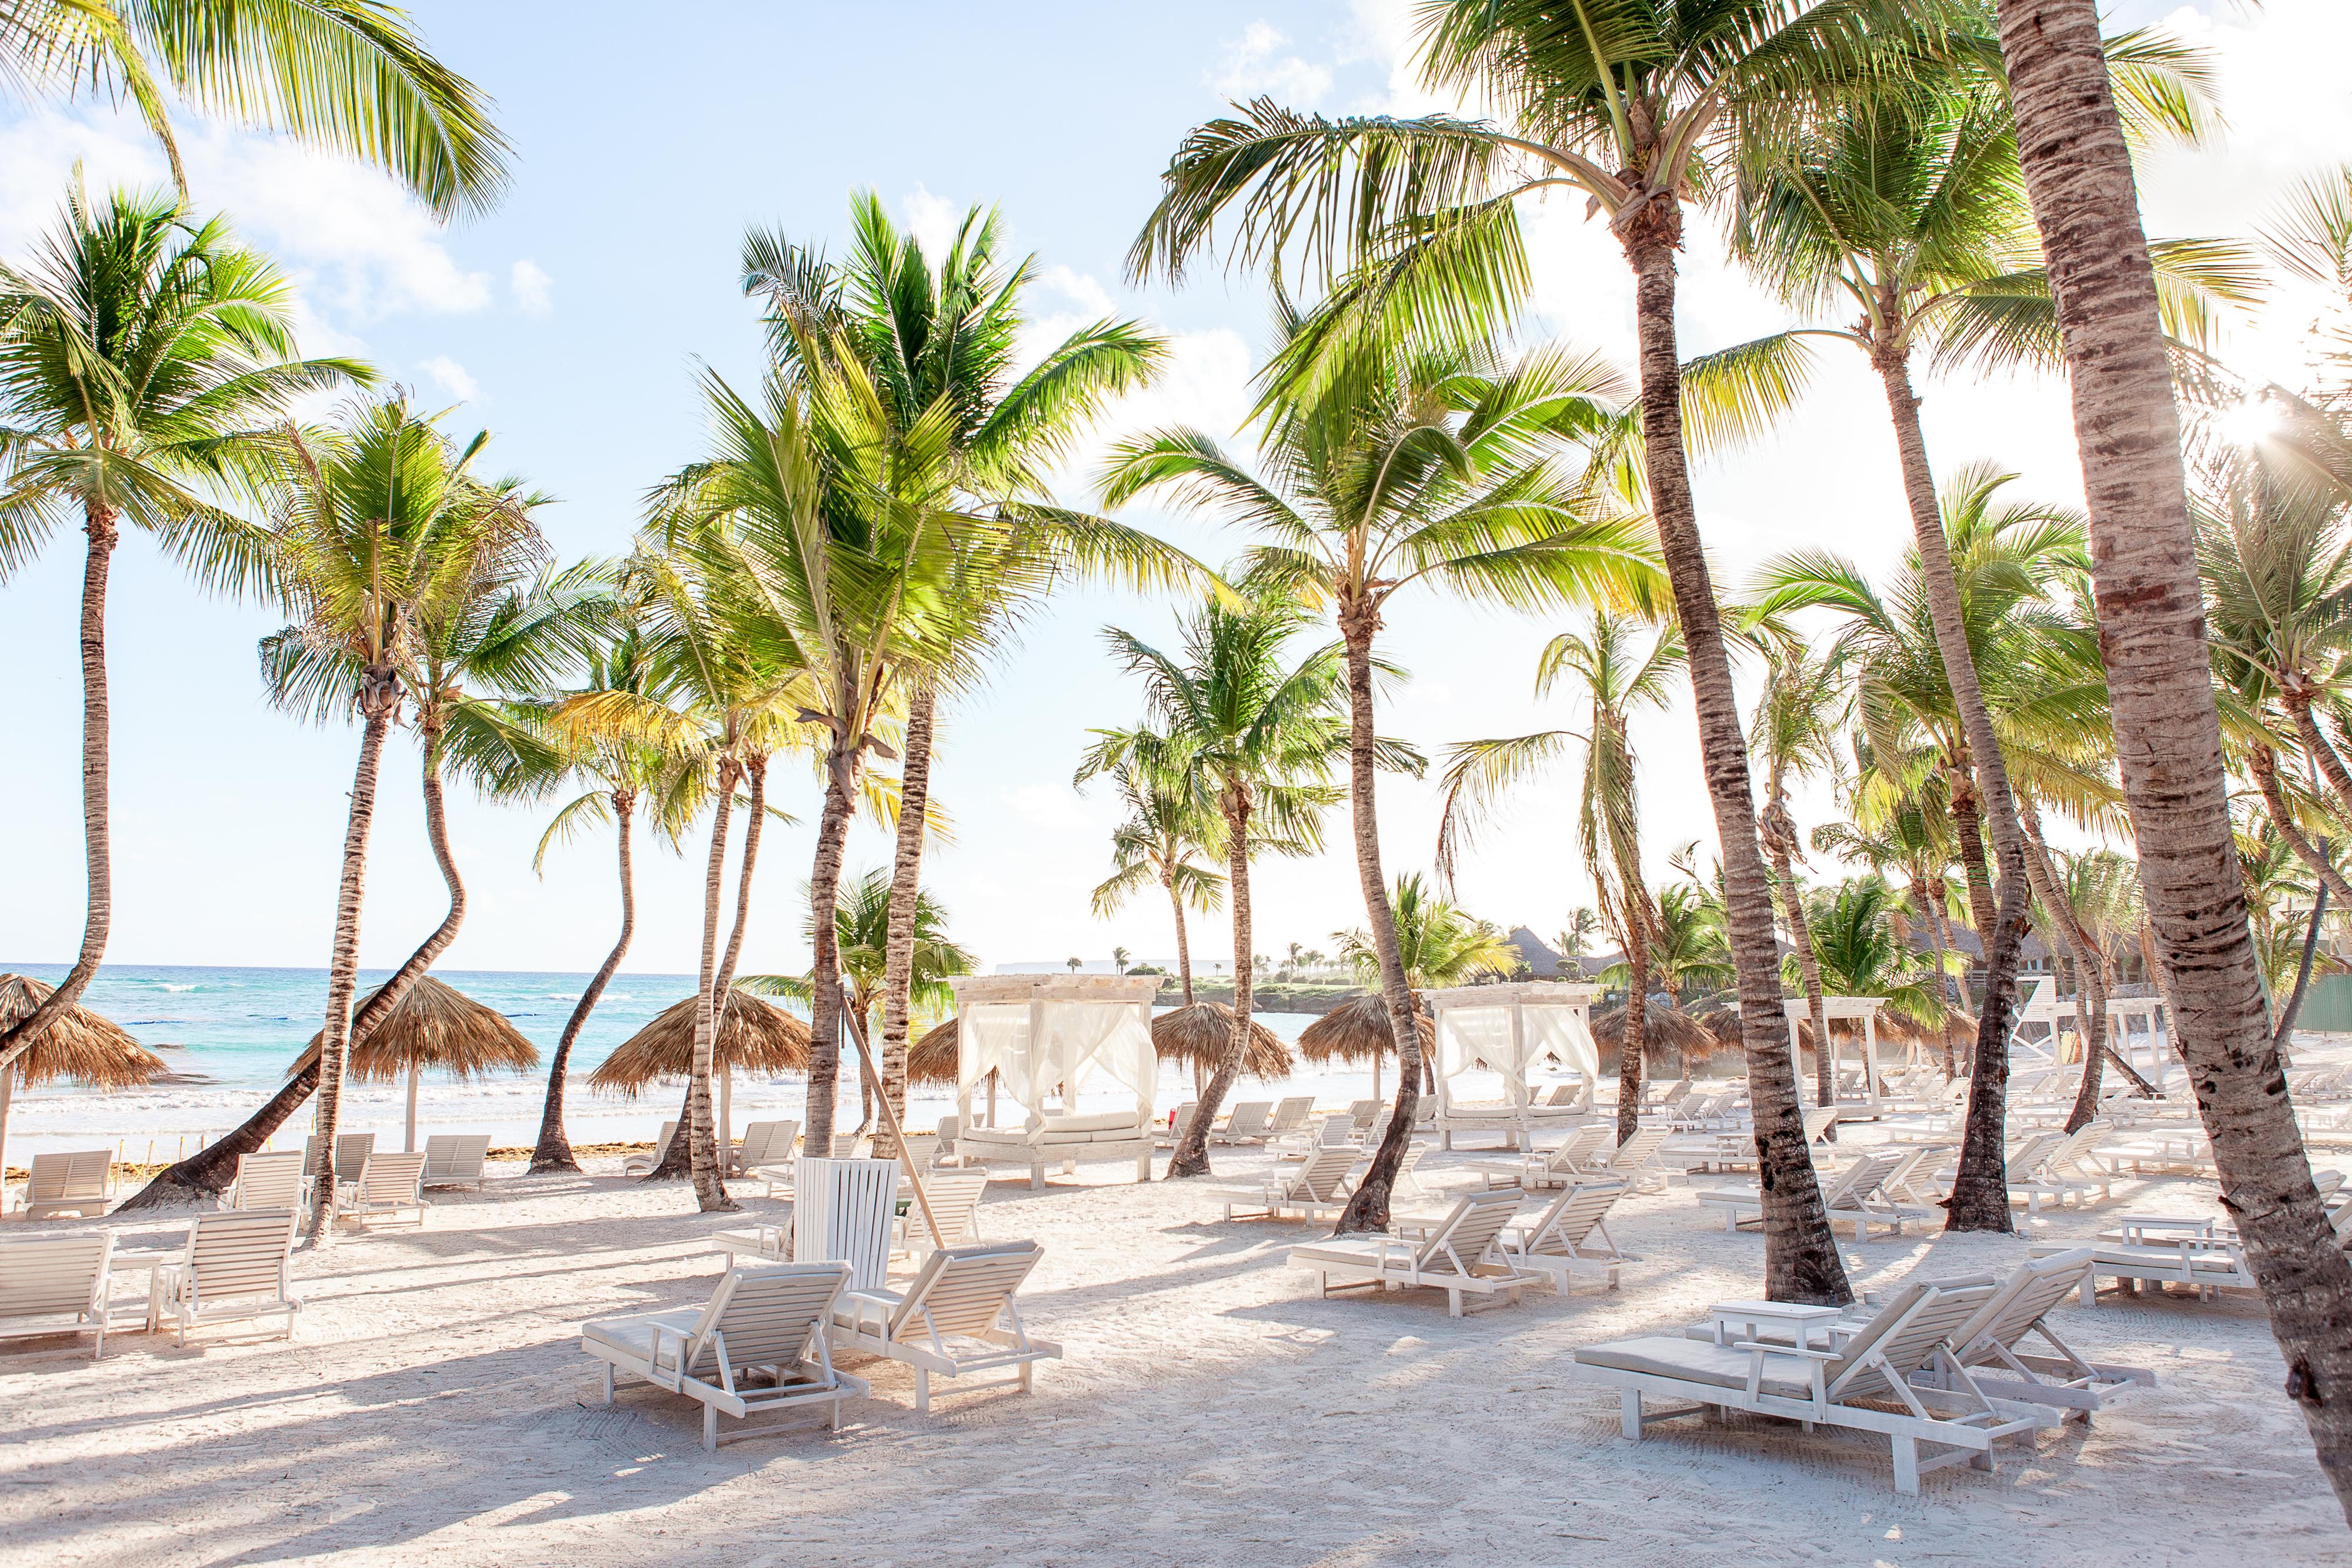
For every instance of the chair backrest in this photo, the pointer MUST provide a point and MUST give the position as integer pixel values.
(1903, 1334)
(351, 1152)
(1469, 1232)
(842, 1211)
(1561, 1229)
(1362, 1112)
(1850, 1185)
(844, 1144)
(1896, 1180)
(392, 1178)
(1248, 1119)
(1291, 1113)
(456, 1157)
(2018, 1303)
(1335, 1132)
(2074, 1147)
(1318, 1180)
(1638, 1150)
(241, 1252)
(63, 1177)
(1819, 1121)
(1182, 1117)
(955, 1203)
(2027, 1158)
(269, 1181)
(963, 1289)
(767, 1142)
(1584, 1145)
(45, 1274)
(765, 1314)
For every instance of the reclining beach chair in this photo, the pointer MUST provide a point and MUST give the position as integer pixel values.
(955, 1318)
(456, 1159)
(1459, 1253)
(72, 1184)
(1177, 1123)
(236, 1266)
(1364, 1115)
(1636, 1160)
(56, 1285)
(1853, 1388)
(1558, 1244)
(1315, 1190)
(768, 1319)
(2208, 1263)
(765, 1145)
(1331, 1132)
(352, 1151)
(1247, 1125)
(270, 1180)
(1290, 1116)
(955, 1204)
(390, 1186)
(1850, 1195)
(1575, 1160)
(1989, 1345)
(642, 1165)
(2061, 1170)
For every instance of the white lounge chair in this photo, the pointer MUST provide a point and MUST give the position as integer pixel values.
(1290, 1116)
(643, 1164)
(845, 1213)
(456, 1159)
(56, 1285)
(1991, 1344)
(765, 1145)
(955, 1204)
(2061, 1170)
(270, 1180)
(1849, 1194)
(954, 1319)
(1331, 1132)
(1315, 1190)
(72, 1184)
(1849, 1387)
(236, 1266)
(2206, 1263)
(771, 1318)
(1579, 1159)
(1636, 1160)
(1177, 1123)
(1560, 1242)
(1459, 1253)
(352, 1151)
(390, 1187)
(1247, 1125)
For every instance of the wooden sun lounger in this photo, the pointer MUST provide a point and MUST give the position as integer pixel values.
(1290, 1116)
(2206, 1263)
(1991, 1344)
(235, 1268)
(53, 1285)
(390, 1187)
(270, 1179)
(1247, 1125)
(456, 1159)
(1315, 1190)
(1558, 1243)
(955, 1203)
(72, 1184)
(642, 1165)
(1460, 1253)
(1579, 1159)
(957, 1317)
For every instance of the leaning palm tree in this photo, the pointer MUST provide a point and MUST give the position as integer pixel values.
(1795, 731)
(1260, 733)
(146, 357)
(1639, 107)
(348, 74)
(1167, 827)
(1422, 468)
(2167, 732)
(1618, 677)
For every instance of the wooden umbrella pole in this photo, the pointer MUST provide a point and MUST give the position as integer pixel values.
(891, 1114)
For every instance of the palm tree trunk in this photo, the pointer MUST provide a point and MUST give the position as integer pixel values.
(1632, 1038)
(1191, 1157)
(553, 1152)
(1368, 1207)
(2316, 746)
(700, 1131)
(98, 831)
(378, 697)
(824, 891)
(1975, 869)
(1184, 941)
(906, 884)
(2168, 735)
(1801, 1255)
(2262, 764)
(1779, 834)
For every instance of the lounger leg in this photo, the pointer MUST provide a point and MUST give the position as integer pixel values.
(711, 1427)
(1906, 1466)
(1629, 1405)
(1453, 1303)
(1028, 1380)
(922, 1391)
(608, 1382)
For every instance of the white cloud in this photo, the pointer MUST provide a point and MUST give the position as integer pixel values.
(529, 283)
(1254, 64)
(1092, 299)
(931, 219)
(452, 378)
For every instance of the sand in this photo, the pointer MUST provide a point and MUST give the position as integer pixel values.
(434, 1408)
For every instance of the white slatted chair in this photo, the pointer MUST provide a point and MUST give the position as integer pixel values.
(1991, 1344)
(1331, 1132)
(236, 1266)
(955, 1204)
(1559, 1244)
(71, 1183)
(766, 1144)
(955, 1318)
(456, 1159)
(1290, 1116)
(2206, 1263)
(270, 1180)
(1177, 1123)
(1247, 1125)
(1576, 1159)
(1850, 1387)
(2062, 1170)
(390, 1187)
(1362, 1115)
(351, 1152)
(642, 1165)
(56, 1285)
(1460, 1253)
(844, 1212)
(1636, 1160)
(768, 1318)
(1315, 1190)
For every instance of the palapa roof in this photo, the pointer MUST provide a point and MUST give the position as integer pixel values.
(77, 1047)
(437, 1027)
(1358, 1030)
(1664, 1028)
(932, 1058)
(1201, 1032)
(754, 1035)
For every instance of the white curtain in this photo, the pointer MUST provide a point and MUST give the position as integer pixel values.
(1073, 1039)
(1560, 1032)
(995, 1037)
(1473, 1037)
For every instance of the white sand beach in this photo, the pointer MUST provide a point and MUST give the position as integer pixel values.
(435, 1406)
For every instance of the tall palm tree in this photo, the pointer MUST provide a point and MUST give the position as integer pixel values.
(1576, 937)
(349, 75)
(1260, 734)
(1167, 827)
(145, 358)
(1422, 468)
(2168, 733)
(1618, 678)
(1794, 732)
(1440, 943)
(1639, 107)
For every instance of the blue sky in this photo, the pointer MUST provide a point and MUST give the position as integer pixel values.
(572, 323)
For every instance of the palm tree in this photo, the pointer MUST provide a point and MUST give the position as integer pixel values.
(1420, 468)
(1258, 732)
(146, 357)
(1167, 826)
(1908, 832)
(1794, 732)
(1859, 950)
(1575, 939)
(347, 74)
(1440, 944)
(2169, 738)
(1618, 678)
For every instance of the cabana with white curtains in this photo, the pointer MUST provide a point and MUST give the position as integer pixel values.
(1048, 1039)
(1836, 1010)
(1509, 1028)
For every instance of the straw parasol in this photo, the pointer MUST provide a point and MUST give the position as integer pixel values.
(932, 1058)
(78, 1047)
(1198, 1036)
(1357, 1030)
(436, 1026)
(756, 1036)
(1664, 1028)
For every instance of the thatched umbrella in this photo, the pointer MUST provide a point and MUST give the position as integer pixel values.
(1664, 1028)
(1198, 1036)
(434, 1026)
(77, 1047)
(932, 1058)
(756, 1036)
(1359, 1028)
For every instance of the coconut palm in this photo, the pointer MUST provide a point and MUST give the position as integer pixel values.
(1167, 826)
(146, 357)
(2078, 174)
(1575, 939)
(1909, 832)
(1618, 677)
(348, 74)
(1259, 733)
(1794, 732)
(1422, 468)
(1859, 950)
(1438, 943)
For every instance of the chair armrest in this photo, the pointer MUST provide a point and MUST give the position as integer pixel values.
(1789, 1350)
